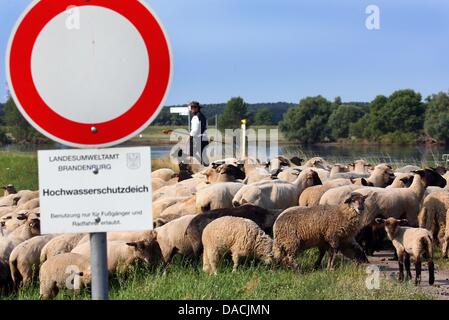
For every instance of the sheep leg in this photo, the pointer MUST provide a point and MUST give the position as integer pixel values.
(317, 264)
(213, 260)
(418, 270)
(401, 266)
(206, 264)
(235, 259)
(408, 275)
(332, 253)
(444, 247)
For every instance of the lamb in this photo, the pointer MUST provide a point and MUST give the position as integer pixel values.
(433, 217)
(60, 271)
(410, 243)
(164, 174)
(238, 236)
(262, 217)
(60, 244)
(217, 196)
(122, 254)
(276, 195)
(24, 232)
(325, 227)
(24, 260)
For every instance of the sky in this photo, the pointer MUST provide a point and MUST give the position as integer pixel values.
(284, 50)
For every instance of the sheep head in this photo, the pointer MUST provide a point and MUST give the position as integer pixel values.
(35, 226)
(356, 201)
(313, 179)
(391, 225)
(147, 250)
(431, 178)
(296, 161)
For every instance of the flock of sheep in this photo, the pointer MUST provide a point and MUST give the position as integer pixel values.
(245, 209)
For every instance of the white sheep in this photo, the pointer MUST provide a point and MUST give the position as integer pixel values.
(64, 271)
(60, 244)
(400, 202)
(26, 231)
(122, 254)
(164, 174)
(163, 203)
(24, 260)
(217, 196)
(238, 236)
(276, 194)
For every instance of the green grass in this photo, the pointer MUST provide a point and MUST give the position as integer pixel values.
(18, 169)
(252, 281)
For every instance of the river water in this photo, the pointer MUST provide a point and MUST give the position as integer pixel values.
(418, 154)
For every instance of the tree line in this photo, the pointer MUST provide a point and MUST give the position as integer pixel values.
(401, 118)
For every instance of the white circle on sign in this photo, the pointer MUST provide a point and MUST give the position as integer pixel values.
(103, 65)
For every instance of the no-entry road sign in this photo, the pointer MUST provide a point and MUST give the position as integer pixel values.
(89, 73)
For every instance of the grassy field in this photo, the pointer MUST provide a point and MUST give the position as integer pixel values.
(250, 282)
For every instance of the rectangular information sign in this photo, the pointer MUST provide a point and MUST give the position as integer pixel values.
(98, 190)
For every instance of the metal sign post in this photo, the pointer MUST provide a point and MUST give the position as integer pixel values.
(99, 266)
(59, 73)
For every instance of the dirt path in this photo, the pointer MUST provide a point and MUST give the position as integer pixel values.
(390, 269)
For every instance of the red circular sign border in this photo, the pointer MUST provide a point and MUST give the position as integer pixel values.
(70, 132)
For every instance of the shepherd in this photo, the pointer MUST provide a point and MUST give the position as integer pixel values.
(198, 133)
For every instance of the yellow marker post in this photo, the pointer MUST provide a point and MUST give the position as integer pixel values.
(243, 140)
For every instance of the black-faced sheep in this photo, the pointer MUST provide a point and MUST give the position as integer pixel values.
(410, 243)
(238, 236)
(325, 227)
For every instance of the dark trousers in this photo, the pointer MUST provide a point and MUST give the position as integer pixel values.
(197, 151)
